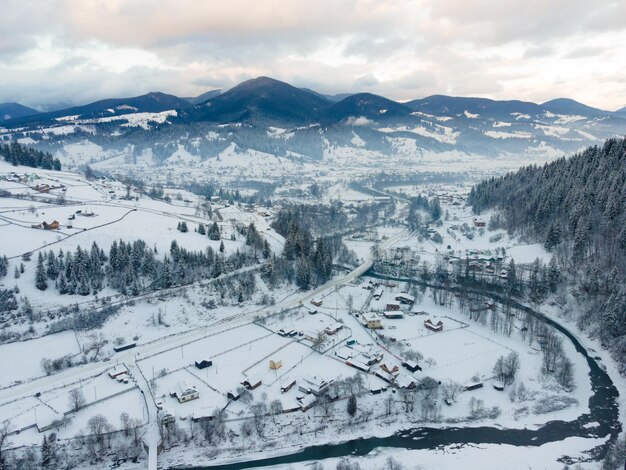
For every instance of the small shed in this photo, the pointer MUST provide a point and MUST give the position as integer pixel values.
(203, 364)
(473, 386)
(411, 365)
(406, 382)
(498, 386)
(405, 299)
(388, 368)
(118, 371)
(251, 383)
(393, 315)
(308, 402)
(275, 365)
(287, 385)
(333, 328)
(358, 365)
(316, 302)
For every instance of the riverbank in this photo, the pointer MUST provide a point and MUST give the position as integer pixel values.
(592, 426)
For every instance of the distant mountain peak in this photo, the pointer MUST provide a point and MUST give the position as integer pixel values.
(15, 110)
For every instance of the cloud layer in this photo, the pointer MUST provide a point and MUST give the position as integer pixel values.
(74, 51)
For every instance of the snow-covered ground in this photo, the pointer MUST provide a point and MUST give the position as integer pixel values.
(174, 331)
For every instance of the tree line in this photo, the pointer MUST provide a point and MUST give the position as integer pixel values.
(18, 154)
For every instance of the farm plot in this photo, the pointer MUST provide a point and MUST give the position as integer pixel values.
(459, 354)
(25, 364)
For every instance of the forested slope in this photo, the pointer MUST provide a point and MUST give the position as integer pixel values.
(577, 207)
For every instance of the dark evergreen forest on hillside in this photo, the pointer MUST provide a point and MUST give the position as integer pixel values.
(577, 207)
(18, 154)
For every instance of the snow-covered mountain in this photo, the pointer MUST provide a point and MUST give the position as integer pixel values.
(15, 110)
(268, 116)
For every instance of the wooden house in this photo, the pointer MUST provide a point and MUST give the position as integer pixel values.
(433, 326)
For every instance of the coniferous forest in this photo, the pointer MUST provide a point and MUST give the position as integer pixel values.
(576, 207)
(17, 154)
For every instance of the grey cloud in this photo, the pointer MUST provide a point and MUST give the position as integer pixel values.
(402, 49)
(584, 51)
(542, 50)
(365, 81)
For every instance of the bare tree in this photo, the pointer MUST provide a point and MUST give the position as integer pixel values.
(259, 411)
(327, 404)
(5, 430)
(389, 403)
(135, 426)
(77, 399)
(97, 343)
(125, 421)
(392, 464)
(98, 427)
(408, 399)
(450, 390)
(276, 408)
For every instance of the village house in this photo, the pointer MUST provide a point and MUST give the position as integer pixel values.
(405, 299)
(118, 371)
(313, 384)
(314, 335)
(433, 326)
(479, 223)
(334, 328)
(184, 392)
(386, 376)
(372, 321)
(167, 417)
(316, 302)
(393, 306)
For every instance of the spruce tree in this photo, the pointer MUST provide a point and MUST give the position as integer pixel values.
(40, 274)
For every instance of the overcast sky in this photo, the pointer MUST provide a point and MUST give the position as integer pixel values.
(75, 51)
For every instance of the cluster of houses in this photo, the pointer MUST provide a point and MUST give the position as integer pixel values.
(54, 225)
(369, 359)
(393, 309)
(16, 178)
